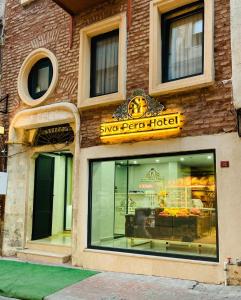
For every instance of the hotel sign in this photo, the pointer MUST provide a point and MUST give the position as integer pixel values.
(140, 116)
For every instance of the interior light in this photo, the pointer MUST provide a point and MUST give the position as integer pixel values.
(182, 159)
(209, 156)
(135, 162)
(157, 160)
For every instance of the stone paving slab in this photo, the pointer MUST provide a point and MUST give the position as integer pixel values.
(118, 286)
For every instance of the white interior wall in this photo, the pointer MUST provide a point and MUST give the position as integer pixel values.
(58, 201)
(103, 204)
(58, 193)
(69, 193)
(137, 173)
(120, 198)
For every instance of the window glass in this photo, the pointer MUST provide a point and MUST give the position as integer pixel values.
(156, 205)
(183, 47)
(104, 64)
(40, 78)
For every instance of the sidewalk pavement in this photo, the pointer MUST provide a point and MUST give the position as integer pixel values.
(119, 286)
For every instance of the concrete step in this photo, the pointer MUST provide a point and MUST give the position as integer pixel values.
(43, 256)
(63, 249)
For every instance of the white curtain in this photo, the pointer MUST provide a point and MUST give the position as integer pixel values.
(186, 47)
(43, 80)
(107, 65)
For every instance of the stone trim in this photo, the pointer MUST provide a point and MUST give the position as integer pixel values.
(26, 2)
(58, 113)
(48, 115)
(26, 67)
(158, 7)
(84, 100)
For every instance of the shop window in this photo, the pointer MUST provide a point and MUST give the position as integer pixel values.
(163, 205)
(40, 78)
(104, 64)
(182, 32)
(181, 45)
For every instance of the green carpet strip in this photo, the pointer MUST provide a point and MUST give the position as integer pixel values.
(34, 282)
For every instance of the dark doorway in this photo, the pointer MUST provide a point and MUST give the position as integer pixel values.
(43, 197)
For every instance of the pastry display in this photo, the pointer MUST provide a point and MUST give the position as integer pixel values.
(182, 212)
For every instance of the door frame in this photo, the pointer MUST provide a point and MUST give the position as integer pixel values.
(20, 142)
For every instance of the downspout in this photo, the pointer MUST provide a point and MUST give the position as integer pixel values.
(129, 14)
(71, 31)
(225, 269)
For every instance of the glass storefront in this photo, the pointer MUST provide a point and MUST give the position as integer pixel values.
(161, 205)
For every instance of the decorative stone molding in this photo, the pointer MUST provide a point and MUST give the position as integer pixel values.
(25, 2)
(53, 114)
(107, 25)
(19, 203)
(26, 67)
(156, 87)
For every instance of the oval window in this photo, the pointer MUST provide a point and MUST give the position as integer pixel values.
(40, 78)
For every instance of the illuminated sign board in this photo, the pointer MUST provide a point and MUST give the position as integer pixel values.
(1, 130)
(140, 116)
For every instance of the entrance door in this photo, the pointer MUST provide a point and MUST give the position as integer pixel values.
(43, 197)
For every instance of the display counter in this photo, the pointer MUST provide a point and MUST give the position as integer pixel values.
(148, 223)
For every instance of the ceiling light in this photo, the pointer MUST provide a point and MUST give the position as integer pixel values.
(182, 159)
(210, 157)
(157, 160)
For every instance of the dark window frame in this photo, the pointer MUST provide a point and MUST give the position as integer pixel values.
(94, 42)
(33, 77)
(149, 253)
(166, 21)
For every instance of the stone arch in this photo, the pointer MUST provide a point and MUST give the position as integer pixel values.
(21, 168)
(53, 114)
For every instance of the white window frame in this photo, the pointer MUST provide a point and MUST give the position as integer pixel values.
(156, 87)
(107, 25)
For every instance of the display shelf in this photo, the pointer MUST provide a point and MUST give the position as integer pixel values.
(201, 187)
(203, 208)
(143, 194)
(176, 196)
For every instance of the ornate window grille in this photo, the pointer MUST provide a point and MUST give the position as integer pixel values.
(59, 134)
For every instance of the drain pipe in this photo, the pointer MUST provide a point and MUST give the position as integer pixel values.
(225, 268)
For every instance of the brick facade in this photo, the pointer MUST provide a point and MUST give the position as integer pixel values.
(44, 24)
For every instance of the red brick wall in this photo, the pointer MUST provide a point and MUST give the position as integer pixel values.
(44, 24)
